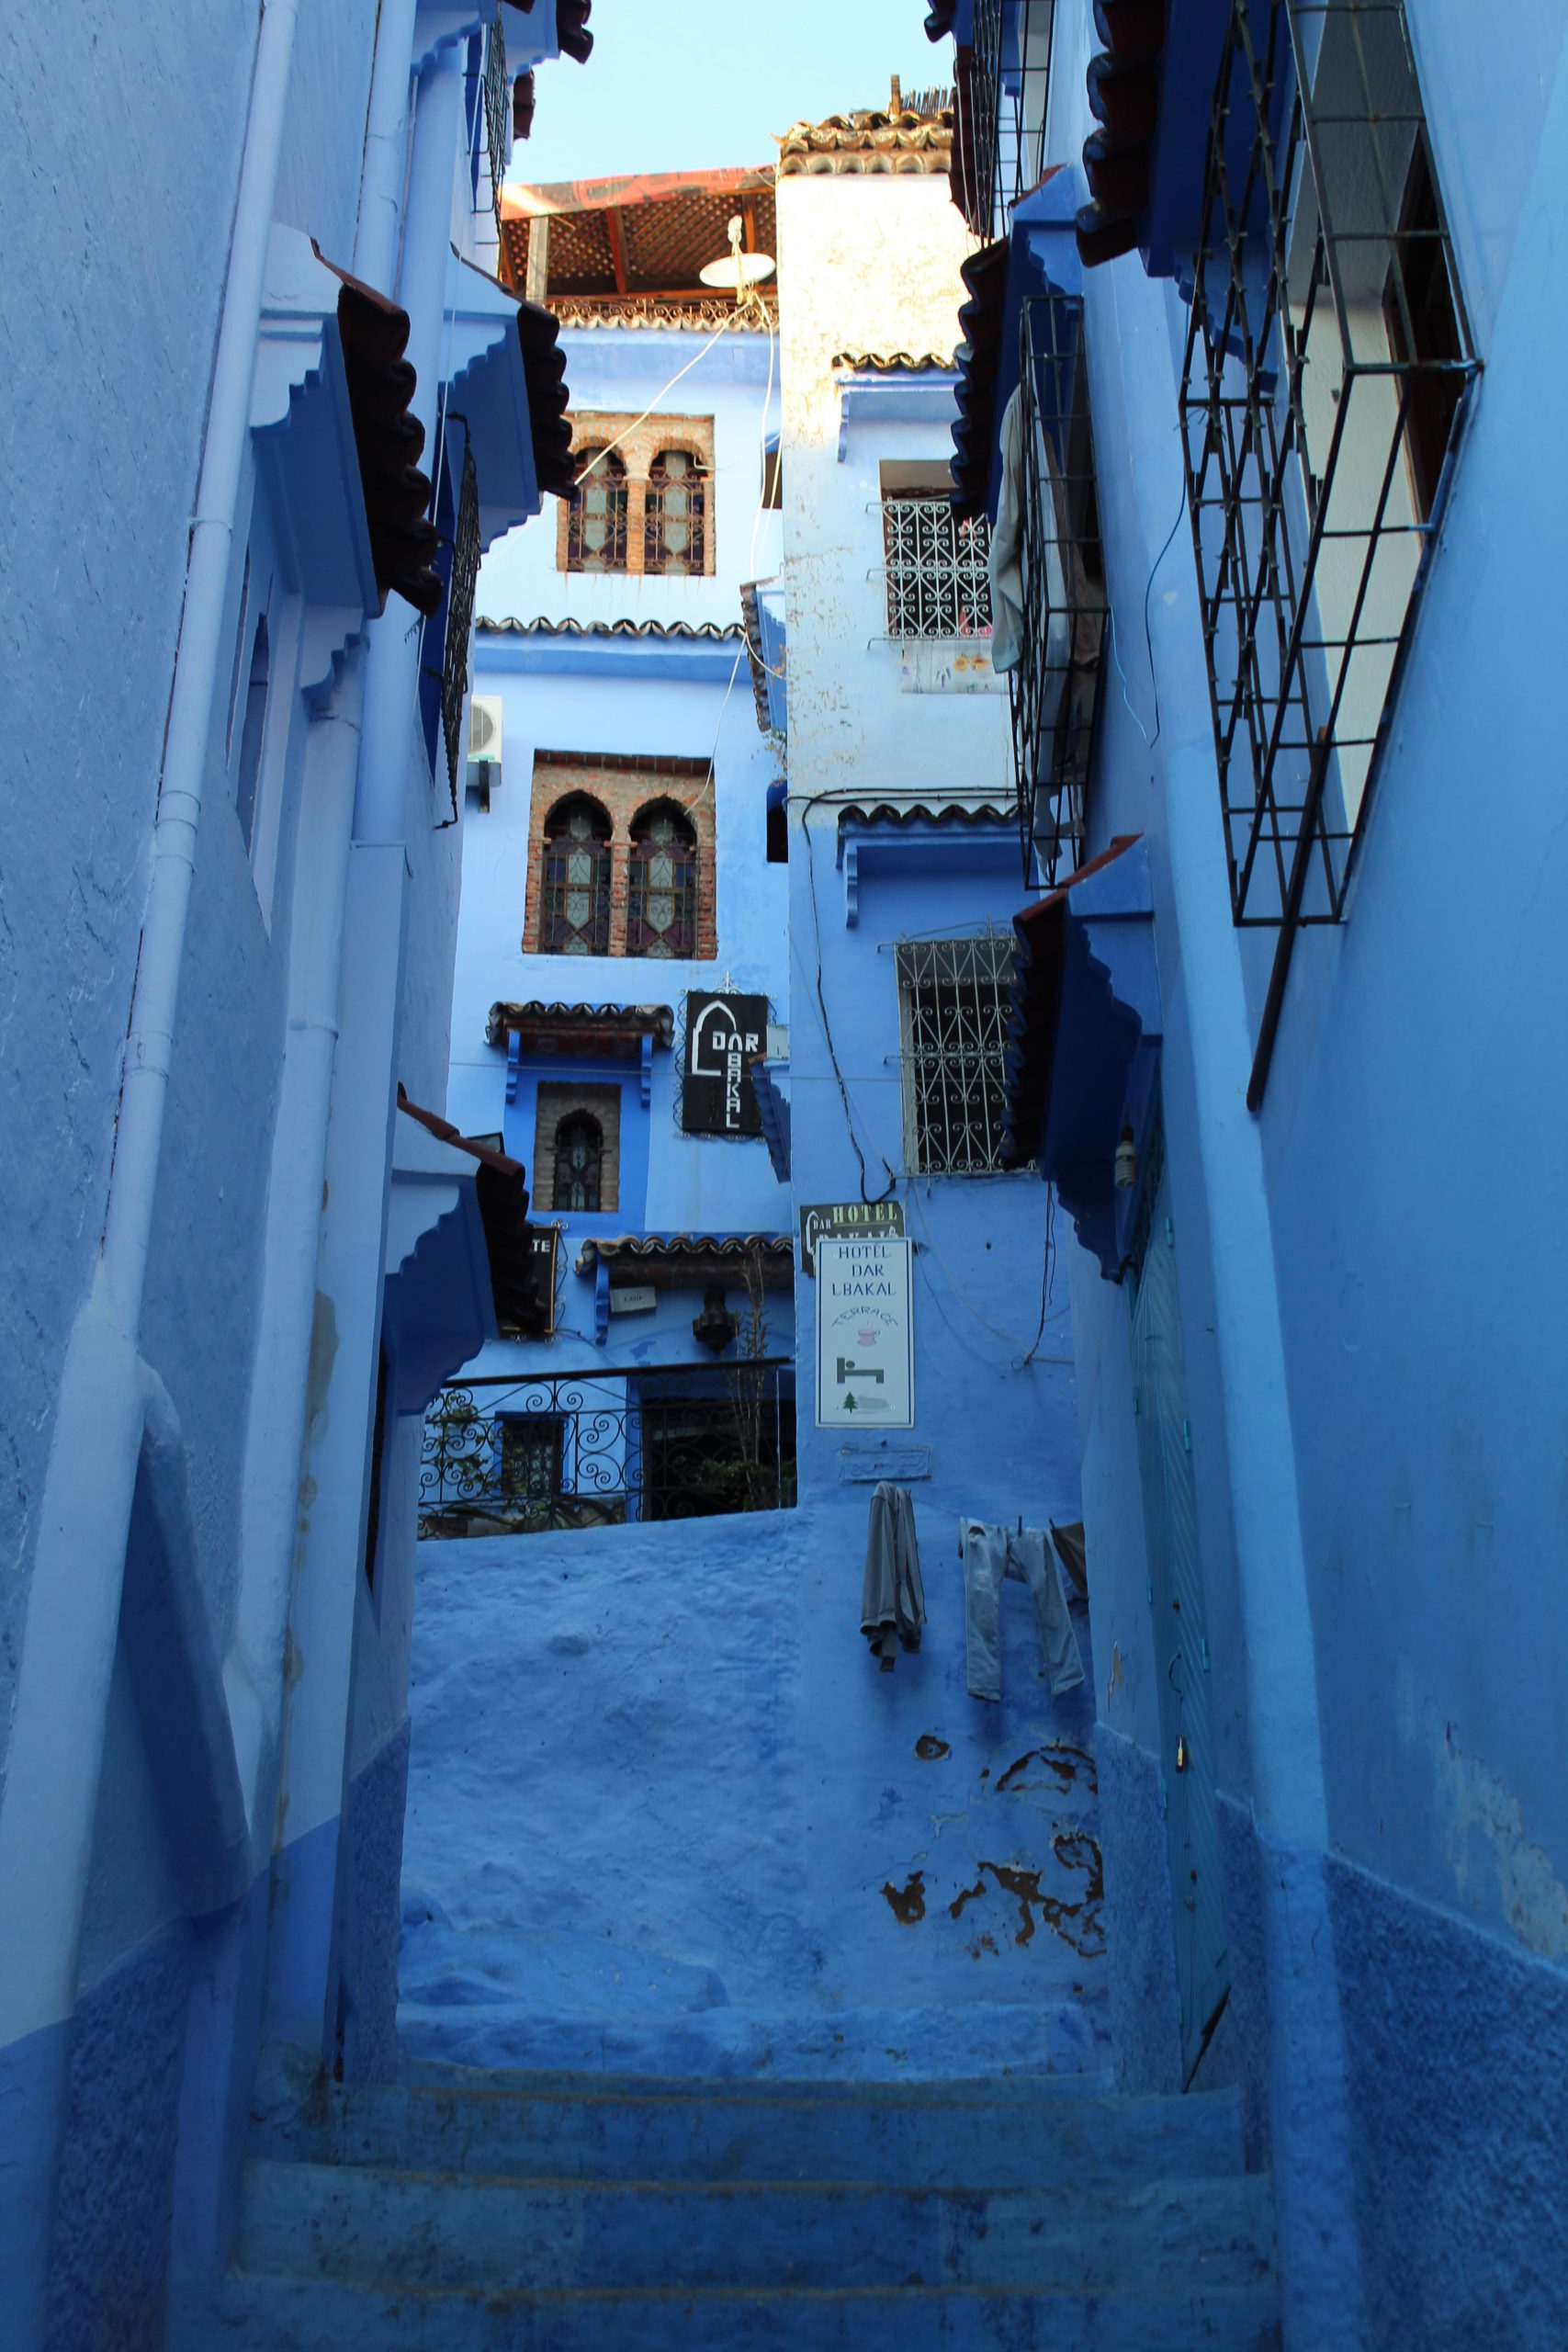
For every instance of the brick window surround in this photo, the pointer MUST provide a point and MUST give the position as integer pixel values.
(638, 452)
(557, 1102)
(623, 787)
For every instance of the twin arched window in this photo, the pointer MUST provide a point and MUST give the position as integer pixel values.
(580, 1162)
(574, 916)
(662, 896)
(675, 515)
(596, 524)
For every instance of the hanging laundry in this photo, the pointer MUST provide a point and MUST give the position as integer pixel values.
(990, 1556)
(892, 1602)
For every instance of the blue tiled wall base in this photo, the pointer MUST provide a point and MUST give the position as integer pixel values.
(1458, 2051)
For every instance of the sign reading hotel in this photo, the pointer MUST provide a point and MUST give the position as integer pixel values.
(865, 1337)
(848, 1220)
(722, 1033)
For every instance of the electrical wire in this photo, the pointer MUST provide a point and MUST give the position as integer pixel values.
(1148, 634)
(868, 1199)
(628, 430)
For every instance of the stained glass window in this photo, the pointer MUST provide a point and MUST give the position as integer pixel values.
(579, 1160)
(575, 916)
(662, 898)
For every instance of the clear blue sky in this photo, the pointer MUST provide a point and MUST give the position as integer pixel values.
(686, 85)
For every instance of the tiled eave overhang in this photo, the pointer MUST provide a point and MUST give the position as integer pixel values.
(594, 1032)
(683, 1261)
(1036, 256)
(502, 1186)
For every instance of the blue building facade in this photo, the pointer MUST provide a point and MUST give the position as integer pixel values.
(1272, 1044)
(233, 949)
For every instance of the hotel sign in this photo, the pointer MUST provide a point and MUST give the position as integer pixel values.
(865, 1344)
(723, 1035)
(846, 1220)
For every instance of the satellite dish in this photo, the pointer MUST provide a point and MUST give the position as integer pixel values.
(737, 271)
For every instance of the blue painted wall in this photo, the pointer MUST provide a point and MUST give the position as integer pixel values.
(1409, 1149)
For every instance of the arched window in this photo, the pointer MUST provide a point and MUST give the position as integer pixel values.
(675, 529)
(596, 525)
(580, 1162)
(662, 896)
(574, 914)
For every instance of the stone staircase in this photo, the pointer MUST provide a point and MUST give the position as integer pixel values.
(502, 2212)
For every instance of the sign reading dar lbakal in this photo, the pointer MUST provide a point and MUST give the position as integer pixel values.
(723, 1033)
(865, 1342)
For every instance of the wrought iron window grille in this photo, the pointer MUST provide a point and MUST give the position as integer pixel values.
(597, 519)
(675, 515)
(662, 886)
(574, 911)
(954, 1006)
(1009, 88)
(936, 571)
(460, 617)
(585, 1451)
(497, 110)
(1055, 690)
(1327, 357)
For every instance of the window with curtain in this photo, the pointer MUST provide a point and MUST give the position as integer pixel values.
(675, 525)
(575, 913)
(579, 1161)
(596, 525)
(662, 896)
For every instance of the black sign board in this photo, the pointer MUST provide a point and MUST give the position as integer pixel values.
(723, 1035)
(847, 1221)
(544, 1241)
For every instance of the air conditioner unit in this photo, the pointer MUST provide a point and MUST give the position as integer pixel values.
(484, 746)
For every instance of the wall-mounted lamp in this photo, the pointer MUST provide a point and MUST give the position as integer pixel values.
(1126, 1161)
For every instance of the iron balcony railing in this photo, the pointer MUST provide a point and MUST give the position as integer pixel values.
(497, 110)
(1005, 97)
(461, 618)
(1054, 687)
(1327, 357)
(936, 571)
(525, 1456)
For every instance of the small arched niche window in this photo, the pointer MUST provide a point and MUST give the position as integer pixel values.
(675, 529)
(596, 523)
(574, 911)
(662, 896)
(580, 1162)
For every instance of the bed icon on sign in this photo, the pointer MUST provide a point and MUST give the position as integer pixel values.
(848, 1371)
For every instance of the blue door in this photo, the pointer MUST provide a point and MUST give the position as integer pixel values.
(1180, 1643)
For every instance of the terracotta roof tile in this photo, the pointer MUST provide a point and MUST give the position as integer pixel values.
(868, 142)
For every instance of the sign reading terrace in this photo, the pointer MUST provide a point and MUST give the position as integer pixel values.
(865, 1342)
(722, 1033)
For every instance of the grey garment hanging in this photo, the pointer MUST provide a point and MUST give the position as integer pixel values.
(892, 1601)
(990, 1556)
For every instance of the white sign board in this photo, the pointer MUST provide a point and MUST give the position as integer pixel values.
(865, 1335)
(630, 1301)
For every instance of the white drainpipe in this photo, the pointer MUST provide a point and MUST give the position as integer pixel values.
(276, 1435)
(55, 1755)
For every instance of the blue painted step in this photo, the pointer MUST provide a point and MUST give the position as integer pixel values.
(764, 2133)
(516, 2212)
(383, 2227)
(314, 2315)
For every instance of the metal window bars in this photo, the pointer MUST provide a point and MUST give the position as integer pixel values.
(531, 1455)
(1055, 688)
(459, 618)
(1326, 360)
(596, 520)
(953, 1008)
(497, 110)
(675, 515)
(938, 582)
(1007, 90)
